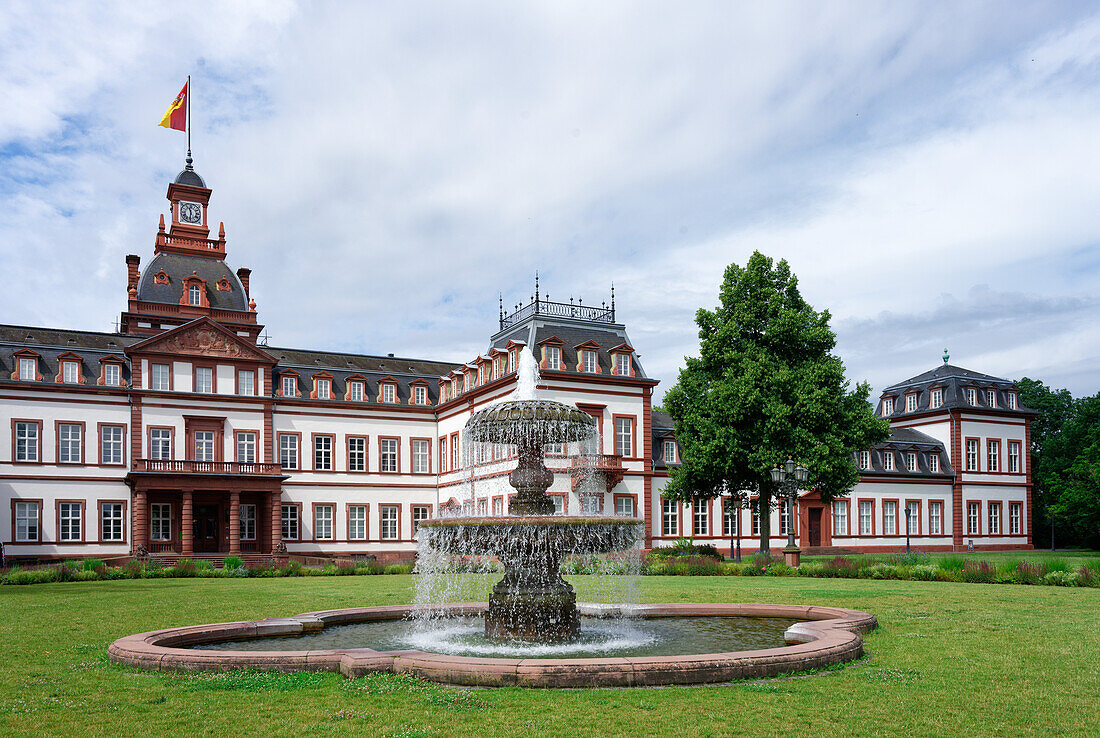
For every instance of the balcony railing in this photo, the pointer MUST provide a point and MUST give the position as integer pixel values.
(179, 466)
(609, 465)
(594, 313)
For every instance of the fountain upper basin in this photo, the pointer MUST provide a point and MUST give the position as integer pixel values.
(495, 536)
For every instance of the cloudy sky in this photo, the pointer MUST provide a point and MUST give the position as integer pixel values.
(930, 170)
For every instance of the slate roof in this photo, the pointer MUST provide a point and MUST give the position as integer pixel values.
(902, 441)
(190, 177)
(342, 366)
(50, 343)
(953, 380)
(178, 266)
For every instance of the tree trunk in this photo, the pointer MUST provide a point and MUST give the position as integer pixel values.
(764, 505)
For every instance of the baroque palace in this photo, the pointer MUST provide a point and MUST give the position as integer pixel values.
(182, 436)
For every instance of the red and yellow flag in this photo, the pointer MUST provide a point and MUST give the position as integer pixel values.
(176, 114)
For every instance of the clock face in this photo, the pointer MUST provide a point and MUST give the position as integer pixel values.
(190, 212)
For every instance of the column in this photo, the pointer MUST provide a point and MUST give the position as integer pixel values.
(234, 522)
(139, 523)
(276, 520)
(187, 524)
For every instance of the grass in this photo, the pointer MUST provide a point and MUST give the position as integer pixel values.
(949, 659)
(1073, 557)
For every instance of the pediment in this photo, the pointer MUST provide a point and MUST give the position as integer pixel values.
(202, 337)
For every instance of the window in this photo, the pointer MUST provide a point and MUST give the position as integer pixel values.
(194, 295)
(388, 517)
(1015, 512)
(935, 518)
(559, 504)
(888, 460)
(246, 382)
(357, 522)
(322, 453)
(590, 505)
(624, 507)
(290, 522)
(512, 361)
(204, 445)
(589, 361)
(246, 447)
(993, 455)
(701, 518)
(160, 444)
(26, 441)
(670, 452)
(756, 519)
(423, 512)
(420, 395)
(784, 518)
(160, 521)
(1014, 456)
(28, 369)
(864, 459)
(731, 512)
(112, 375)
(290, 386)
(670, 518)
(889, 517)
(622, 365)
(204, 379)
(70, 372)
(69, 450)
(991, 398)
(972, 454)
(70, 517)
(624, 436)
(324, 389)
(866, 517)
(248, 522)
(913, 517)
(421, 457)
(994, 518)
(355, 391)
(498, 507)
(322, 522)
(110, 444)
(936, 398)
(110, 521)
(160, 377)
(357, 454)
(911, 461)
(389, 393)
(971, 396)
(973, 518)
(887, 406)
(443, 454)
(910, 403)
(1010, 400)
(454, 452)
(387, 455)
(288, 451)
(27, 522)
(934, 462)
(553, 358)
(840, 518)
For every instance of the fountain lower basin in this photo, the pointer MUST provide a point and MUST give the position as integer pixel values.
(826, 635)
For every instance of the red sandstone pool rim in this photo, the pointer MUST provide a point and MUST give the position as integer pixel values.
(827, 635)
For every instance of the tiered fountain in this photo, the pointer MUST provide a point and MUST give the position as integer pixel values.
(532, 614)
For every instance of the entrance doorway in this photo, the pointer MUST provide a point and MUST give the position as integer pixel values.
(815, 525)
(206, 528)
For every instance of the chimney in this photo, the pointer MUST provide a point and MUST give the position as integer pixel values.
(132, 273)
(243, 274)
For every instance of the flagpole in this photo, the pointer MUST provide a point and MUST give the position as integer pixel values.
(189, 116)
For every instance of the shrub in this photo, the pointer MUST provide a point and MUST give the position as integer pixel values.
(132, 570)
(85, 576)
(953, 563)
(95, 565)
(779, 568)
(1061, 578)
(1027, 573)
(185, 568)
(980, 572)
(683, 548)
(398, 569)
(344, 568)
(292, 569)
(923, 572)
(840, 566)
(232, 562)
(115, 573)
(31, 576)
(1087, 577)
(883, 571)
(811, 569)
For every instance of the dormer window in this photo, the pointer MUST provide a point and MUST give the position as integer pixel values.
(888, 460)
(28, 369)
(864, 459)
(456, 390)
(70, 372)
(160, 277)
(553, 358)
(911, 461)
(887, 406)
(290, 386)
(935, 398)
(971, 396)
(991, 398)
(622, 365)
(223, 285)
(670, 452)
(910, 403)
(389, 393)
(512, 360)
(324, 389)
(355, 391)
(589, 361)
(934, 462)
(1010, 400)
(112, 375)
(420, 395)
(194, 295)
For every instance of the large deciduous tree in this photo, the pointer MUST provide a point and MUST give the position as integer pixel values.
(766, 386)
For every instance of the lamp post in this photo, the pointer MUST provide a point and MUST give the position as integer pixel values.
(788, 477)
(733, 509)
(908, 512)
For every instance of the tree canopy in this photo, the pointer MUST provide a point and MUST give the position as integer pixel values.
(766, 386)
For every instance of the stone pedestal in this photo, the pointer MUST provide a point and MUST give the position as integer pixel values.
(792, 555)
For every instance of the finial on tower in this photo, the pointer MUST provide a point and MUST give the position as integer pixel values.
(189, 160)
(612, 302)
(536, 285)
(946, 356)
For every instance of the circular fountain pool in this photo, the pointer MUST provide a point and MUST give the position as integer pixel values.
(600, 637)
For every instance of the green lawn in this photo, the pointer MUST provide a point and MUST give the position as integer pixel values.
(948, 660)
(1074, 557)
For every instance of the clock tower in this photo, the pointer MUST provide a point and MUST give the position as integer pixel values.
(189, 197)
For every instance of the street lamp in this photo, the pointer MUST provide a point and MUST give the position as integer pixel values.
(789, 477)
(908, 512)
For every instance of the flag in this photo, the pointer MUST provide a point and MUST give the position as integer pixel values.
(176, 114)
